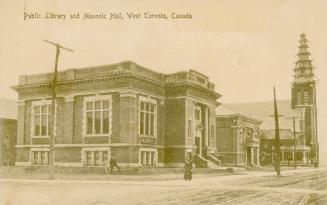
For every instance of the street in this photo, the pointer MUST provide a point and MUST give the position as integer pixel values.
(294, 187)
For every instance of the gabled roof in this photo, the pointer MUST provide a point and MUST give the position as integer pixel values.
(8, 109)
(225, 110)
(264, 111)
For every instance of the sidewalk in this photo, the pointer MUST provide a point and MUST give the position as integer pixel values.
(98, 174)
(143, 174)
(166, 179)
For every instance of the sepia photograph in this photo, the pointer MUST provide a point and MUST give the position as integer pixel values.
(213, 102)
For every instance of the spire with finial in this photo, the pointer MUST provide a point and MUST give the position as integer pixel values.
(303, 67)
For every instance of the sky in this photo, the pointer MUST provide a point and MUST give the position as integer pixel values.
(245, 47)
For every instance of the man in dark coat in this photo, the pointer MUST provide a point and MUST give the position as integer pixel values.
(188, 168)
(113, 163)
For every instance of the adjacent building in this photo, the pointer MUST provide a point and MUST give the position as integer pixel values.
(237, 137)
(261, 111)
(292, 148)
(8, 130)
(144, 117)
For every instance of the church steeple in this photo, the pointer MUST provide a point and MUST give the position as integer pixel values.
(304, 95)
(303, 66)
(303, 89)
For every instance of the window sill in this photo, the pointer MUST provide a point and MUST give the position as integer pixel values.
(40, 137)
(100, 135)
(39, 165)
(146, 136)
(97, 166)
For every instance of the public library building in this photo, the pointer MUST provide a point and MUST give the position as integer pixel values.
(144, 117)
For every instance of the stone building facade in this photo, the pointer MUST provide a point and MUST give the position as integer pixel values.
(146, 118)
(237, 139)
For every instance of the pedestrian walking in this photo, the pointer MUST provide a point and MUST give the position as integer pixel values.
(188, 168)
(113, 163)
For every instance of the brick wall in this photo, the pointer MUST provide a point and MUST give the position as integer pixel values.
(21, 124)
(78, 122)
(174, 155)
(28, 117)
(68, 155)
(22, 154)
(127, 119)
(115, 137)
(224, 139)
(161, 117)
(175, 122)
(69, 122)
(189, 116)
(60, 122)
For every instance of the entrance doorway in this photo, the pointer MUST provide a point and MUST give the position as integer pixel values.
(248, 156)
(198, 144)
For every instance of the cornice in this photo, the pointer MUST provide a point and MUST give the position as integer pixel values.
(161, 84)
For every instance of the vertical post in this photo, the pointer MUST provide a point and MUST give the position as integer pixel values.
(53, 112)
(277, 140)
(294, 143)
(258, 157)
(252, 156)
(52, 137)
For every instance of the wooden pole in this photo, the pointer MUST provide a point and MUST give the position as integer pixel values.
(52, 137)
(52, 119)
(294, 143)
(277, 140)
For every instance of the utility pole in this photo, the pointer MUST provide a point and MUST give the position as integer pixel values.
(294, 138)
(277, 140)
(294, 143)
(53, 107)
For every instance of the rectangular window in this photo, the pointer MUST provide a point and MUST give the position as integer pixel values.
(41, 116)
(147, 119)
(40, 157)
(44, 158)
(97, 117)
(148, 158)
(96, 158)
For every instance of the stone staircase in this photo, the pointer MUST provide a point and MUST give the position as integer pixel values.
(214, 160)
(210, 161)
(200, 162)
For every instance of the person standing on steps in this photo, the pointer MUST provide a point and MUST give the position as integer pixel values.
(188, 169)
(113, 163)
